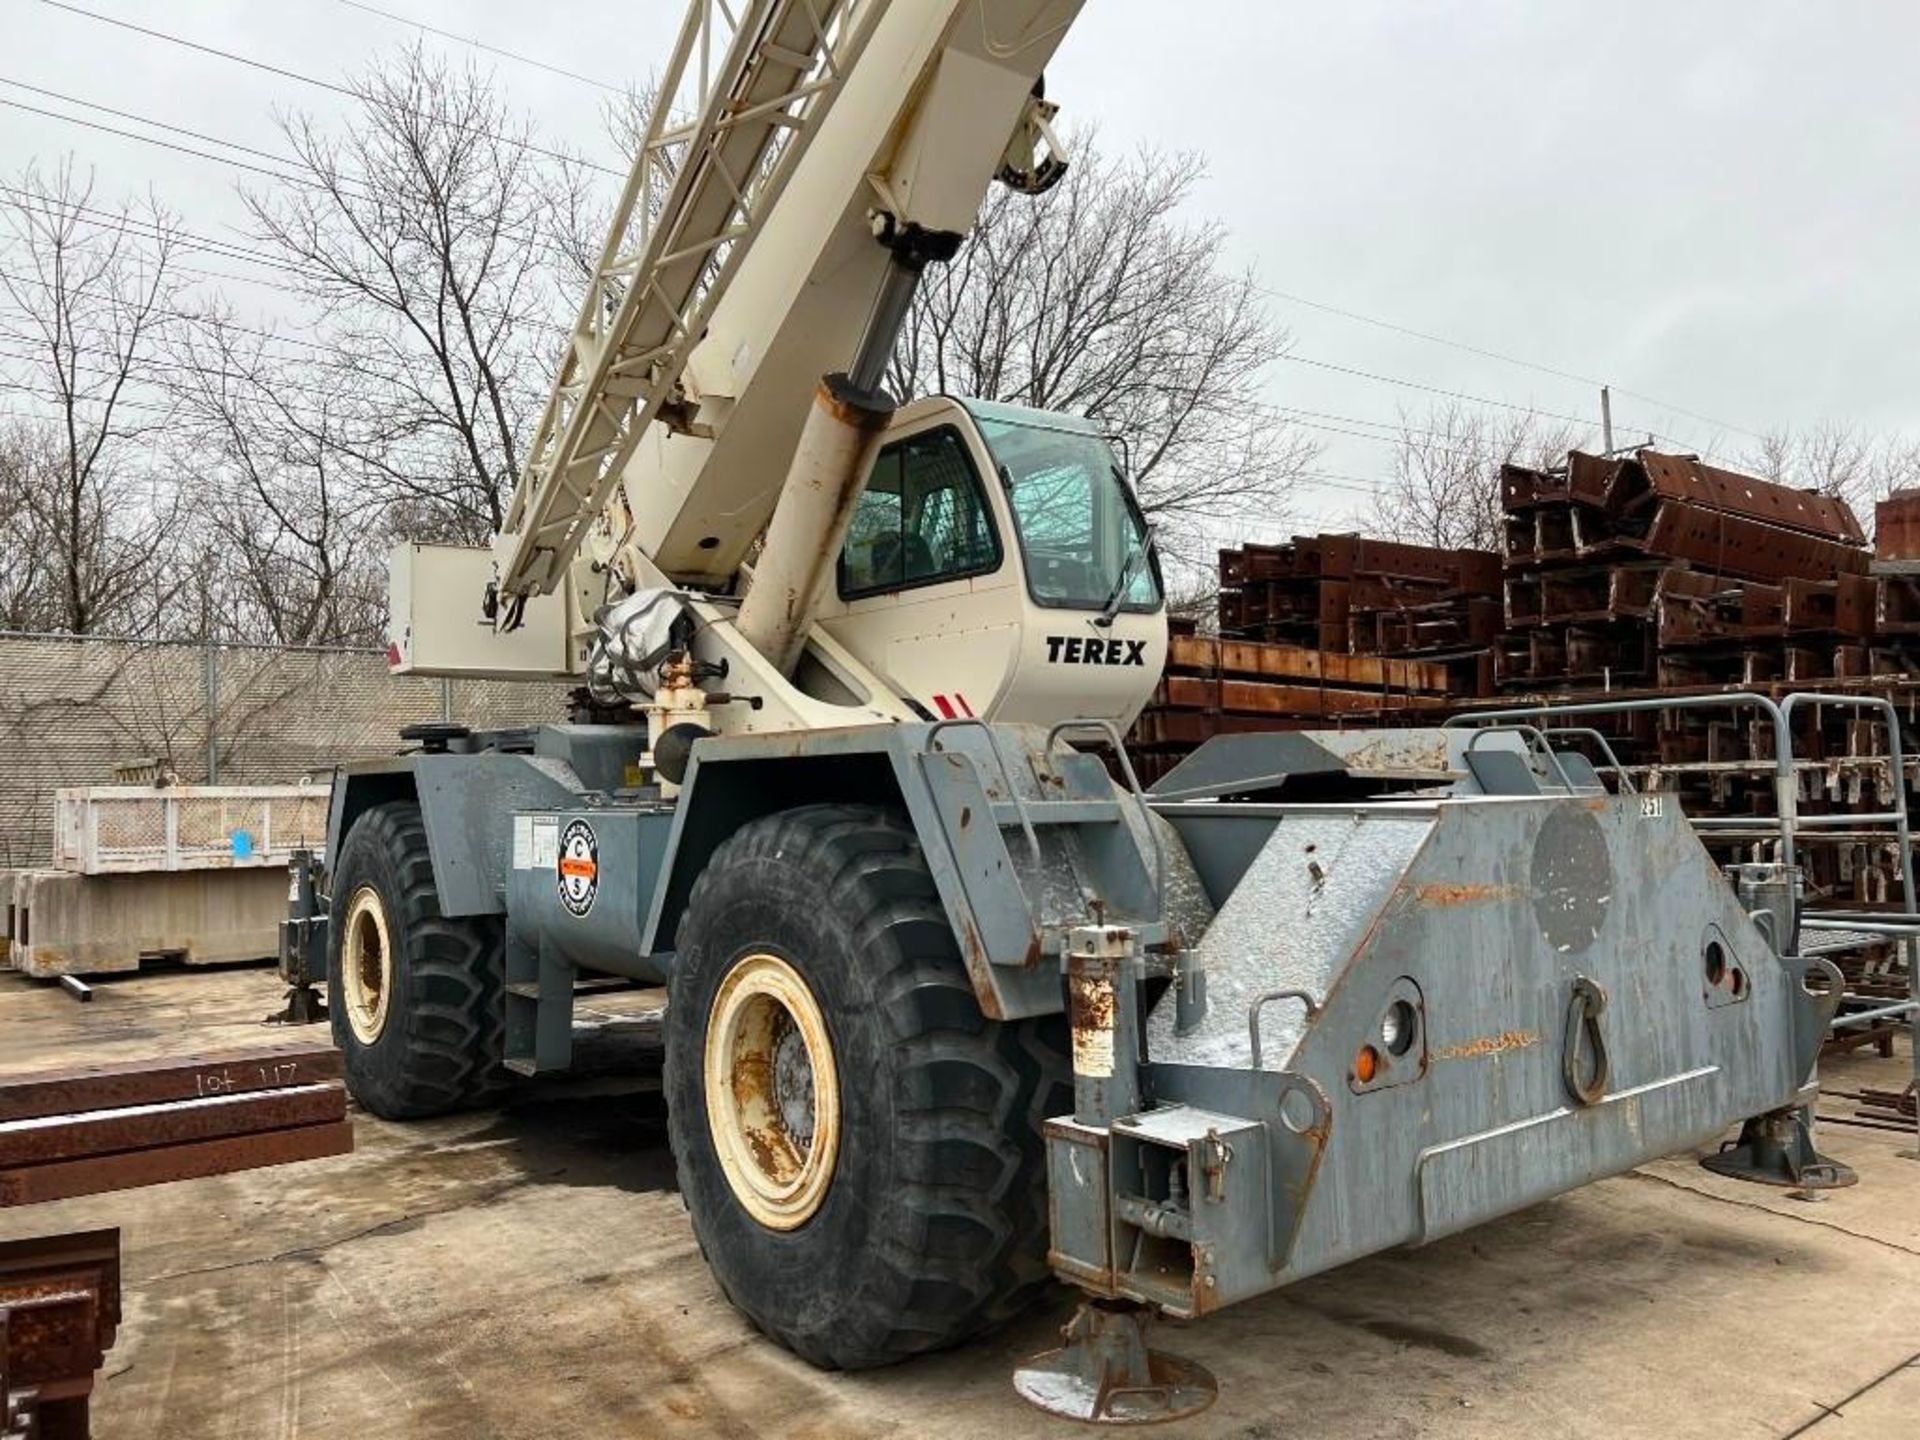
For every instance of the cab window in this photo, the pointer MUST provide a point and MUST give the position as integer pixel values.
(921, 520)
(1086, 545)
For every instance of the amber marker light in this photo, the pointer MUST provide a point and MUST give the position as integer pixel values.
(1366, 1064)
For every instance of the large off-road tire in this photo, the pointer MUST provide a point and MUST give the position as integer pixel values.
(414, 997)
(859, 1148)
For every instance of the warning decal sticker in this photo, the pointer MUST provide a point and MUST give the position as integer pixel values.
(578, 866)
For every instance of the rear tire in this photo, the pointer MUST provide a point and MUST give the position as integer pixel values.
(929, 1223)
(414, 997)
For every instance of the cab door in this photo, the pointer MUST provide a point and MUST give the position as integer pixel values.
(926, 591)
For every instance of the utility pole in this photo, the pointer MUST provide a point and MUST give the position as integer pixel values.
(211, 678)
(1606, 420)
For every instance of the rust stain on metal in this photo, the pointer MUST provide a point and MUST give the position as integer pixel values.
(61, 1295)
(1091, 1005)
(973, 952)
(751, 1079)
(1092, 1001)
(1487, 1046)
(1441, 894)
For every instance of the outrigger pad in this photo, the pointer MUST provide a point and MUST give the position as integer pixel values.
(1777, 1149)
(1105, 1373)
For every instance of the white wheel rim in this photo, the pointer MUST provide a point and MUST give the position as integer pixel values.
(773, 1094)
(366, 965)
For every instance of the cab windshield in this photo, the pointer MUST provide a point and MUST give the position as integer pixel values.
(1085, 543)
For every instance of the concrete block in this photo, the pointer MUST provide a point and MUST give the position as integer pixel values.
(62, 923)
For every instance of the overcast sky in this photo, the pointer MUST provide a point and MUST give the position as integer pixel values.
(1711, 205)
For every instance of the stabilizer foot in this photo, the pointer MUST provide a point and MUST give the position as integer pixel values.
(304, 1007)
(1106, 1375)
(1777, 1149)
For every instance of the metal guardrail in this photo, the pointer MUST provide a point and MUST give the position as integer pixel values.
(1786, 797)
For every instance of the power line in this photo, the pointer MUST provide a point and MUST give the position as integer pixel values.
(1504, 358)
(108, 219)
(348, 185)
(306, 181)
(482, 45)
(152, 139)
(143, 120)
(423, 459)
(193, 243)
(1462, 395)
(349, 92)
(226, 250)
(329, 85)
(170, 313)
(1294, 359)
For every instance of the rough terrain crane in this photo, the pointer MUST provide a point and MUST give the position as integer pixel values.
(950, 1011)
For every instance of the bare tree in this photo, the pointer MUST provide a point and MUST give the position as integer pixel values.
(92, 298)
(1098, 299)
(428, 240)
(26, 459)
(1445, 488)
(1838, 458)
(287, 503)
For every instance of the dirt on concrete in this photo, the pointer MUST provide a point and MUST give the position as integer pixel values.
(529, 1272)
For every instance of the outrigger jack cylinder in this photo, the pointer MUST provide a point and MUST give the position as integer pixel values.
(1104, 1372)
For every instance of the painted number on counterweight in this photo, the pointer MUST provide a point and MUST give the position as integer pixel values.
(578, 867)
(1650, 807)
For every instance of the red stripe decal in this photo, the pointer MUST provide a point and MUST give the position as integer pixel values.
(961, 701)
(941, 704)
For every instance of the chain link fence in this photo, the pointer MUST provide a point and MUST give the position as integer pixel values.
(72, 709)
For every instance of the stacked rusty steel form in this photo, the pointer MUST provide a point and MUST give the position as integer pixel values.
(1326, 632)
(1220, 686)
(1349, 595)
(1643, 575)
(1659, 571)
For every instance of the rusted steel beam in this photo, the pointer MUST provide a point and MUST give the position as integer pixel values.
(1728, 544)
(106, 1087)
(64, 1179)
(1707, 487)
(1896, 526)
(50, 1138)
(59, 1311)
(1246, 697)
(1199, 654)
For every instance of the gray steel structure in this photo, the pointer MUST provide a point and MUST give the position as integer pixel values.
(1329, 993)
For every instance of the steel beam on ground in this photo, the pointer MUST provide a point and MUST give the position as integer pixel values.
(106, 1087)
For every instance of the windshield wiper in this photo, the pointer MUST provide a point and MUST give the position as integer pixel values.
(1117, 595)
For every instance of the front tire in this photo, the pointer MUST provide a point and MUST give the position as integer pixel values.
(414, 997)
(859, 1148)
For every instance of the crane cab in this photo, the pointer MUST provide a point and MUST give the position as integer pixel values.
(997, 565)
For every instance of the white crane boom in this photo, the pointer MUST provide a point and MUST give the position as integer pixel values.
(684, 221)
(719, 411)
